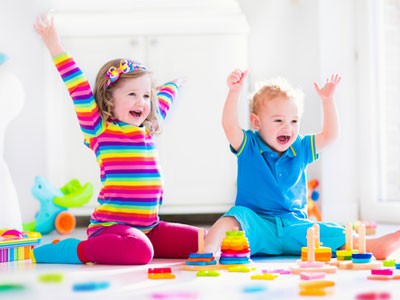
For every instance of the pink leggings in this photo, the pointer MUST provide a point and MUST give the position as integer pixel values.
(125, 245)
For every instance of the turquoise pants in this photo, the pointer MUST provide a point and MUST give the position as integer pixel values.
(282, 236)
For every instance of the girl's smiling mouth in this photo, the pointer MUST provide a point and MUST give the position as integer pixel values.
(136, 113)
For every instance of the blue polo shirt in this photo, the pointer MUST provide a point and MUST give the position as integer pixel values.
(271, 185)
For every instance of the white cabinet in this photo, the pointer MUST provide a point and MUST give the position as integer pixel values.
(199, 170)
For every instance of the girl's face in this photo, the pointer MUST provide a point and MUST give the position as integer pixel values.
(278, 123)
(132, 100)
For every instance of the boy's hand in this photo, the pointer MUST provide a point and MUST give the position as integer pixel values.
(327, 91)
(47, 31)
(235, 80)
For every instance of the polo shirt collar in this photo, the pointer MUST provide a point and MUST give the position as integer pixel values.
(291, 151)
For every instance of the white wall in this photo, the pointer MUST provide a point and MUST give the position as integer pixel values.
(338, 53)
(284, 41)
(302, 40)
(24, 145)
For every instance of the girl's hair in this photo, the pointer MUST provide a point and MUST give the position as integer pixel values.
(103, 94)
(275, 88)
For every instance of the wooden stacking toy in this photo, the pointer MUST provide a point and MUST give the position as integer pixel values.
(370, 227)
(347, 253)
(235, 249)
(323, 254)
(360, 260)
(200, 260)
(311, 265)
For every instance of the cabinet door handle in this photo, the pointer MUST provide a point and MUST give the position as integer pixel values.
(153, 42)
(134, 42)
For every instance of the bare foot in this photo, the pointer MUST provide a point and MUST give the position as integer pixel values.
(385, 245)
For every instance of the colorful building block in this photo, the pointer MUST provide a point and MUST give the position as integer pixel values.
(389, 263)
(316, 284)
(16, 245)
(201, 259)
(90, 286)
(374, 296)
(312, 275)
(240, 269)
(208, 273)
(160, 273)
(278, 271)
(386, 272)
(315, 287)
(264, 276)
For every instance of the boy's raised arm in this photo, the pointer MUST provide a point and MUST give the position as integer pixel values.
(330, 129)
(230, 119)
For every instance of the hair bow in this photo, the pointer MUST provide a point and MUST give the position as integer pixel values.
(125, 66)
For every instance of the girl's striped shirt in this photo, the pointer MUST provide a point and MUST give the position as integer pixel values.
(132, 185)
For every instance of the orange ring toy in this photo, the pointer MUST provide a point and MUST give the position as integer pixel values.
(65, 222)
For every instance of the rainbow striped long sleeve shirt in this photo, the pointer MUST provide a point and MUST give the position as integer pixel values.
(132, 185)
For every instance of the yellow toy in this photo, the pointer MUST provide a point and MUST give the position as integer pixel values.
(315, 287)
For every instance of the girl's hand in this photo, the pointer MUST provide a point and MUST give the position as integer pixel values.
(180, 82)
(47, 31)
(236, 79)
(327, 91)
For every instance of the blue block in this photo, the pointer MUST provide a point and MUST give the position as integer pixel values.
(361, 255)
(233, 262)
(201, 263)
(361, 260)
(200, 255)
(90, 286)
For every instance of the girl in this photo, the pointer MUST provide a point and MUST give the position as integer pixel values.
(118, 121)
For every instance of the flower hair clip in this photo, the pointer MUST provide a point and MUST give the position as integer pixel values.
(125, 66)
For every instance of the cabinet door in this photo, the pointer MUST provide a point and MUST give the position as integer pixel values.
(91, 53)
(68, 157)
(199, 169)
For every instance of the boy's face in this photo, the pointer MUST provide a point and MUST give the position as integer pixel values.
(278, 123)
(132, 100)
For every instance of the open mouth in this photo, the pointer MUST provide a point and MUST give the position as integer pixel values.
(283, 139)
(136, 113)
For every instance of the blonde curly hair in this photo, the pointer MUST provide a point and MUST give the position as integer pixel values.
(103, 94)
(275, 88)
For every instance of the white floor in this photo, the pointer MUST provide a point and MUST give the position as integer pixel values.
(131, 282)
